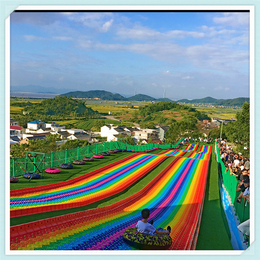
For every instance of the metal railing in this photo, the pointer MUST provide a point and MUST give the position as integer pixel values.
(18, 166)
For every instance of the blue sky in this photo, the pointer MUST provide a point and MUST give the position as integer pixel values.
(182, 54)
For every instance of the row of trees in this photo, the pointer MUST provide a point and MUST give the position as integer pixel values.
(45, 146)
(237, 132)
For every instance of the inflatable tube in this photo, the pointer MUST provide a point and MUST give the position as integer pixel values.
(14, 179)
(112, 151)
(28, 175)
(52, 170)
(88, 159)
(98, 156)
(78, 162)
(66, 166)
(118, 150)
(146, 242)
(105, 154)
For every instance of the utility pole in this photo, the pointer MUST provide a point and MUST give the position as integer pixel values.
(221, 131)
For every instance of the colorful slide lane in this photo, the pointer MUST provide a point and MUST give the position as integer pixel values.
(202, 153)
(93, 187)
(175, 197)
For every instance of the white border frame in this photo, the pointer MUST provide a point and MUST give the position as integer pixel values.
(130, 8)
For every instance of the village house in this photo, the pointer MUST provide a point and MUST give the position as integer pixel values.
(13, 122)
(16, 130)
(30, 138)
(161, 131)
(146, 134)
(112, 132)
(80, 136)
(36, 126)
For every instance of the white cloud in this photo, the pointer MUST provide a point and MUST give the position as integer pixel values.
(97, 21)
(106, 26)
(232, 19)
(145, 33)
(62, 38)
(166, 72)
(33, 38)
(188, 77)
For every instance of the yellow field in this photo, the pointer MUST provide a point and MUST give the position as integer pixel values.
(115, 109)
(66, 122)
(15, 110)
(222, 113)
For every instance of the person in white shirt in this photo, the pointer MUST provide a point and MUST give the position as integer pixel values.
(143, 226)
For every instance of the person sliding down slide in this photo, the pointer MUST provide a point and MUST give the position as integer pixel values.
(145, 227)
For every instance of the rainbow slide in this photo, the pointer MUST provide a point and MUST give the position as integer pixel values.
(84, 190)
(175, 197)
(202, 153)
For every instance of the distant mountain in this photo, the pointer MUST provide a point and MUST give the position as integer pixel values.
(220, 102)
(36, 89)
(105, 95)
(206, 100)
(141, 97)
(233, 102)
(102, 94)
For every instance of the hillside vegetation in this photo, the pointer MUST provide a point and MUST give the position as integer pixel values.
(62, 106)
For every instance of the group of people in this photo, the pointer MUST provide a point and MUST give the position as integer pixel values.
(238, 165)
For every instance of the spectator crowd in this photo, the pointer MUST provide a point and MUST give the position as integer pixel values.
(239, 166)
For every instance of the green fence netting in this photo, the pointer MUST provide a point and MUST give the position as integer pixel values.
(230, 183)
(18, 166)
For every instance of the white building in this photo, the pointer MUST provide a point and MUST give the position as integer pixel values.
(111, 132)
(145, 134)
(36, 126)
(54, 127)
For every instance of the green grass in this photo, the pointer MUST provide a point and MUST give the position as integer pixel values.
(214, 232)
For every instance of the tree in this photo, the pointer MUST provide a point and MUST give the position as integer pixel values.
(19, 150)
(71, 144)
(178, 129)
(239, 131)
(98, 124)
(128, 139)
(51, 140)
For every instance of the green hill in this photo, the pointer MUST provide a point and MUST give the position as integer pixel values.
(102, 94)
(221, 102)
(206, 100)
(141, 97)
(61, 106)
(233, 102)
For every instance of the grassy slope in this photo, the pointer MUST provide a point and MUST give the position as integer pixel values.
(214, 233)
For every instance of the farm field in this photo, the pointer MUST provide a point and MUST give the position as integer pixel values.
(222, 113)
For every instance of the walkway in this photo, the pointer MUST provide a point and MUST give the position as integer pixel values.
(214, 232)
